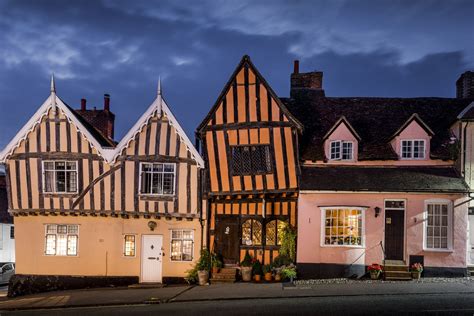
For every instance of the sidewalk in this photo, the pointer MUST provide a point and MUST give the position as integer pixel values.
(237, 291)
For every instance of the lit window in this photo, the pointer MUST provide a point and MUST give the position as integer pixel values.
(157, 178)
(341, 150)
(182, 242)
(274, 232)
(129, 246)
(60, 176)
(413, 149)
(61, 240)
(438, 226)
(251, 159)
(252, 233)
(342, 226)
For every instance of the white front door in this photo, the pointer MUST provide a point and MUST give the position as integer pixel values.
(152, 258)
(470, 249)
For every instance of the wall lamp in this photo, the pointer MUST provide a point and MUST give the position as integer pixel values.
(377, 211)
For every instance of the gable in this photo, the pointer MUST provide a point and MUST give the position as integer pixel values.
(247, 98)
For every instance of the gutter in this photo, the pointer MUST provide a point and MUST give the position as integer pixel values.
(378, 192)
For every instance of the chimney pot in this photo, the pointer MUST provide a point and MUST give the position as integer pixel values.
(107, 102)
(296, 67)
(83, 104)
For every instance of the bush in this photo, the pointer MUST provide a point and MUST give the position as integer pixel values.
(288, 272)
(192, 275)
(204, 263)
(288, 244)
(216, 261)
(257, 268)
(247, 262)
(267, 268)
(282, 260)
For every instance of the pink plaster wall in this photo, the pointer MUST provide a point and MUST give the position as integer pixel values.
(309, 229)
(342, 132)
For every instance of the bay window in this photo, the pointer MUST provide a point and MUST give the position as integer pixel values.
(342, 226)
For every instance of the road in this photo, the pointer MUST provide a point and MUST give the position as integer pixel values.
(435, 304)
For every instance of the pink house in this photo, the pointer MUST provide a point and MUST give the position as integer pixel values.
(379, 181)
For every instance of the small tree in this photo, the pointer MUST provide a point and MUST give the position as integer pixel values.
(288, 242)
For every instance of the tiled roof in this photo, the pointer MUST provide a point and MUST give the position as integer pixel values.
(382, 179)
(376, 120)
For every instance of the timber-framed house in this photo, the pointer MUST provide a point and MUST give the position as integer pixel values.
(87, 206)
(249, 143)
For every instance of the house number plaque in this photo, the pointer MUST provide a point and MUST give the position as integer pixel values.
(388, 220)
(227, 230)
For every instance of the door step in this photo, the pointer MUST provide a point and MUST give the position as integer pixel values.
(146, 286)
(470, 270)
(396, 270)
(225, 275)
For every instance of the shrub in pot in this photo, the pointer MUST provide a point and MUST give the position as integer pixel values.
(416, 270)
(216, 263)
(203, 267)
(375, 270)
(289, 273)
(246, 267)
(257, 270)
(267, 272)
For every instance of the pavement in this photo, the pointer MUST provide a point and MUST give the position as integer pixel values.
(228, 292)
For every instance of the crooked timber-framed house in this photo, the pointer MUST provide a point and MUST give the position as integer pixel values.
(84, 205)
(250, 144)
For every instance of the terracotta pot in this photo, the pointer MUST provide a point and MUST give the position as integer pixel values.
(374, 275)
(257, 277)
(277, 277)
(246, 274)
(215, 270)
(203, 277)
(268, 276)
(416, 275)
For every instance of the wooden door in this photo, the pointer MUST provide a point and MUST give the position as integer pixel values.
(227, 238)
(394, 234)
(152, 258)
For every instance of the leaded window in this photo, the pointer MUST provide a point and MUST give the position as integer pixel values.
(274, 232)
(60, 176)
(129, 246)
(252, 233)
(251, 159)
(438, 226)
(182, 241)
(343, 226)
(61, 240)
(157, 178)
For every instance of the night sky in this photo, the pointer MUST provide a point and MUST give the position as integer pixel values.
(365, 48)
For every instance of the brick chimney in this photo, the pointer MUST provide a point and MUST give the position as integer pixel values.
(102, 120)
(465, 85)
(308, 82)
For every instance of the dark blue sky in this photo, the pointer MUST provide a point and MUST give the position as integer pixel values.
(365, 48)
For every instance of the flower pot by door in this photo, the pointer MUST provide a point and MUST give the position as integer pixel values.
(374, 275)
(257, 277)
(268, 276)
(203, 277)
(277, 277)
(416, 275)
(246, 274)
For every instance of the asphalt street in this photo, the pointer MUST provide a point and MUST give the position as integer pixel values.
(426, 304)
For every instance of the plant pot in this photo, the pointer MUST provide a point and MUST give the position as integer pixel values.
(277, 277)
(416, 275)
(268, 276)
(203, 277)
(257, 277)
(374, 275)
(215, 270)
(246, 274)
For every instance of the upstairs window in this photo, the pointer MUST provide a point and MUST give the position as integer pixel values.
(60, 176)
(253, 159)
(413, 149)
(341, 150)
(157, 178)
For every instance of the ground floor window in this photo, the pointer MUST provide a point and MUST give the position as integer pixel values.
(61, 240)
(252, 232)
(342, 226)
(182, 241)
(438, 225)
(129, 246)
(274, 232)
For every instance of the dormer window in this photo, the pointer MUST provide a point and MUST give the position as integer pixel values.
(341, 150)
(413, 149)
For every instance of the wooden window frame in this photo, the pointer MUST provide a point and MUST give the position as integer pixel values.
(182, 239)
(125, 245)
(412, 149)
(55, 191)
(450, 227)
(339, 154)
(140, 179)
(67, 234)
(262, 237)
(269, 163)
(323, 226)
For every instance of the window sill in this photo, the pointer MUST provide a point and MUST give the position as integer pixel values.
(438, 250)
(58, 194)
(157, 197)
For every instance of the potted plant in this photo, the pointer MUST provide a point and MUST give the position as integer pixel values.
(216, 263)
(267, 272)
(375, 269)
(416, 270)
(289, 272)
(257, 270)
(246, 267)
(203, 267)
(278, 264)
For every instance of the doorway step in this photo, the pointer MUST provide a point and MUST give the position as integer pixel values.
(146, 285)
(396, 270)
(225, 275)
(470, 271)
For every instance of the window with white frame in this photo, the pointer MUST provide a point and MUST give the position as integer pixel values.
(157, 178)
(342, 226)
(438, 227)
(60, 176)
(61, 240)
(341, 150)
(129, 246)
(182, 241)
(413, 149)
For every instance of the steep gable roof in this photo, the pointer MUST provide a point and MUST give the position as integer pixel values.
(417, 119)
(158, 107)
(376, 120)
(245, 61)
(344, 121)
(54, 102)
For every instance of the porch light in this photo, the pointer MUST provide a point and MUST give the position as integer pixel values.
(152, 225)
(377, 211)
